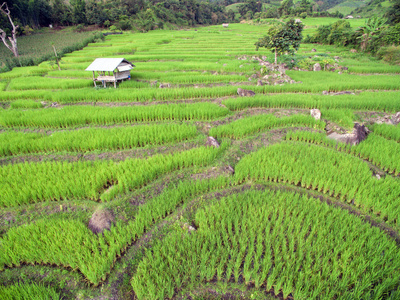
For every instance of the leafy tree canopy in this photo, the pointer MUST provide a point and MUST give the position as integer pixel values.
(282, 37)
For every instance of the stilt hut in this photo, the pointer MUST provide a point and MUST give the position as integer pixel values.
(110, 70)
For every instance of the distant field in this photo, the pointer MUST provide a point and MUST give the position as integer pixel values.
(234, 7)
(347, 7)
(120, 193)
(38, 47)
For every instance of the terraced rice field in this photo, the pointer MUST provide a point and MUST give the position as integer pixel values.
(116, 194)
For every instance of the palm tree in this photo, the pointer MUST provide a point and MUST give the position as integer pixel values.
(372, 26)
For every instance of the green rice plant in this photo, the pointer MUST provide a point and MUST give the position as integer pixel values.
(3, 85)
(342, 117)
(98, 180)
(381, 152)
(305, 248)
(242, 127)
(24, 71)
(320, 81)
(25, 104)
(69, 243)
(69, 74)
(14, 143)
(376, 149)
(387, 131)
(29, 94)
(382, 101)
(22, 291)
(70, 116)
(43, 83)
(339, 175)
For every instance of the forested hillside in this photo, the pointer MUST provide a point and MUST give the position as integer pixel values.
(148, 14)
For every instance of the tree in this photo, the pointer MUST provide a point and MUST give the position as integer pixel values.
(286, 7)
(393, 13)
(282, 38)
(372, 26)
(13, 38)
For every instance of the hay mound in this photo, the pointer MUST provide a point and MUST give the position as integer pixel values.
(101, 220)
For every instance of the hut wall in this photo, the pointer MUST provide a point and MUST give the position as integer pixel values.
(122, 75)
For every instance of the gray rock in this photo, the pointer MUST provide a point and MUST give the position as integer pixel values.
(396, 118)
(315, 113)
(101, 220)
(378, 176)
(245, 93)
(313, 50)
(189, 228)
(343, 93)
(325, 93)
(212, 142)
(229, 169)
(164, 86)
(259, 83)
(359, 134)
(317, 67)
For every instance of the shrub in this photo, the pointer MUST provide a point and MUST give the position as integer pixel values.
(390, 54)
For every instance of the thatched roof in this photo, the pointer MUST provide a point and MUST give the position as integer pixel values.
(110, 64)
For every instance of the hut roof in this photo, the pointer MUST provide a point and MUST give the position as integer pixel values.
(110, 64)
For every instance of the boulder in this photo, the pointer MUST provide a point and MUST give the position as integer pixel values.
(229, 169)
(259, 83)
(329, 67)
(315, 113)
(343, 93)
(396, 118)
(245, 93)
(212, 142)
(317, 67)
(101, 220)
(189, 228)
(359, 134)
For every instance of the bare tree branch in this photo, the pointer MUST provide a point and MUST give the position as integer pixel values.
(13, 38)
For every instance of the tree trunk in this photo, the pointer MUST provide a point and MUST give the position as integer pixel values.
(12, 46)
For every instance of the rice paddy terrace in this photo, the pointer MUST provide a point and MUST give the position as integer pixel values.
(117, 194)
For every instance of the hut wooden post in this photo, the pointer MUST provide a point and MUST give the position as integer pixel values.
(94, 80)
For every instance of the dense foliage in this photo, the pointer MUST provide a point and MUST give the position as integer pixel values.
(144, 14)
(282, 38)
